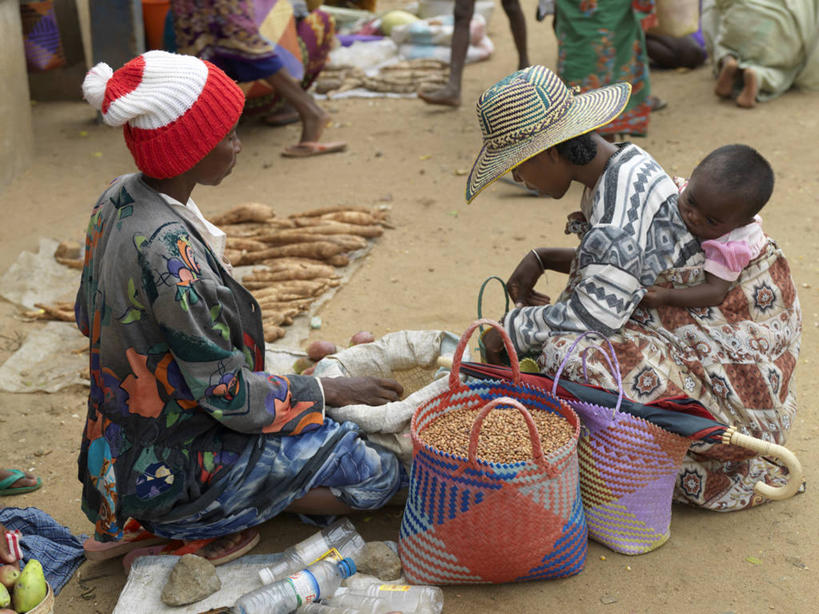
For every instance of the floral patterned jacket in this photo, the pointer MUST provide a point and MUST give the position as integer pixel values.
(178, 388)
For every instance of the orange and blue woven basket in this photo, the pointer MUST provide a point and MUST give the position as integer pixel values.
(470, 521)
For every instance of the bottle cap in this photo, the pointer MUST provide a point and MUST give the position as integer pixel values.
(346, 567)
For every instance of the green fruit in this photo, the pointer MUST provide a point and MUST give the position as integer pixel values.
(9, 575)
(5, 598)
(30, 588)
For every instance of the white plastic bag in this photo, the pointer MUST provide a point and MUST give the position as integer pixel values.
(409, 356)
(677, 18)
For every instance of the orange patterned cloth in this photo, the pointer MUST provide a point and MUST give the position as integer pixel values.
(737, 359)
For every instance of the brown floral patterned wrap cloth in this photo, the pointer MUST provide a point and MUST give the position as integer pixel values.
(737, 359)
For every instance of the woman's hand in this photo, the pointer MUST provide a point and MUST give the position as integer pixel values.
(341, 391)
(521, 285)
(493, 347)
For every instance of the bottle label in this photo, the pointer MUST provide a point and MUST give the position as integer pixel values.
(394, 587)
(305, 586)
(331, 555)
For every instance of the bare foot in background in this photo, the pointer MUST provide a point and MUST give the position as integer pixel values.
(747, 97)
(726, 78)
(447, 96)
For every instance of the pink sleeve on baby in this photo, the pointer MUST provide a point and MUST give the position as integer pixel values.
(726, 259)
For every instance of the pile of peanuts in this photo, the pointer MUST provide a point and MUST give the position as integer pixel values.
(504, 436)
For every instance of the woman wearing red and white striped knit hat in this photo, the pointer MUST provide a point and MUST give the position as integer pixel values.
(184, 427)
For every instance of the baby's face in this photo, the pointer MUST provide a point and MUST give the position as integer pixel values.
(710, 212)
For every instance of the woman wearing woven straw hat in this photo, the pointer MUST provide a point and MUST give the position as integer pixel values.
(722, 356)
(535, 127)
(186, 432)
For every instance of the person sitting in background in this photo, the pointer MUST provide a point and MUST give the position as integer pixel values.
(186, 432)
(274, 53)
(762, 48)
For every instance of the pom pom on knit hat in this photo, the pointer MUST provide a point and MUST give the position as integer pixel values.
(93, 86)
(174, 109)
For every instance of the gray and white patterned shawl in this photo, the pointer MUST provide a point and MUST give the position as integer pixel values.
(636, 232)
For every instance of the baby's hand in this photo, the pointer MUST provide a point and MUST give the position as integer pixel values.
(576, 223)
(655, 297)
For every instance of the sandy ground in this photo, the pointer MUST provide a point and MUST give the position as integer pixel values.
(425, 274)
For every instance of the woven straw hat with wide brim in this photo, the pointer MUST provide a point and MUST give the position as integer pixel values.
(530, 111)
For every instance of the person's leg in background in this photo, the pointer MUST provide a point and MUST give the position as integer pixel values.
(450, 94)
(517, 24)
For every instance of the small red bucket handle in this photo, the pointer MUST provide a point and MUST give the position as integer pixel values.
(534, 436)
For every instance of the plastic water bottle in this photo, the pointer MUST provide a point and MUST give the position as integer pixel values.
(398, 597)
(318, 581)
(370, 605)
(320, 608)
(339, 540)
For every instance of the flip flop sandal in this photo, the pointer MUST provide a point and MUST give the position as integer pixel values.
(248, 541)
(15, 475)
(134, 536)
(308, 149)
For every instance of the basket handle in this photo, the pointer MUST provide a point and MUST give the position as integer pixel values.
(534, 436)
(457, 357)
(612, 361)
(766, 448)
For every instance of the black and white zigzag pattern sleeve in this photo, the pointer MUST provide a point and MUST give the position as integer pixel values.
(609, 264)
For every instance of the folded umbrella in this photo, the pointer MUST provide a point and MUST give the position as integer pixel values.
(680, 415)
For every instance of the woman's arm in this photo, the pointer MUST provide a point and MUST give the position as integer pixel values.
(521, 284)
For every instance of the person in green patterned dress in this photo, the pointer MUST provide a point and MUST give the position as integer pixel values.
(600, 43)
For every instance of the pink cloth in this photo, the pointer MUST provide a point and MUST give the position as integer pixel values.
(726, 256)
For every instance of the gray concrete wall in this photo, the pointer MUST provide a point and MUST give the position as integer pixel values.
(16, 137)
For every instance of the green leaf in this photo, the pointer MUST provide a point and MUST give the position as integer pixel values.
(753, 560)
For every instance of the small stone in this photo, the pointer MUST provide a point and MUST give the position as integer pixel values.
(608, 599)
(378, 559)
(192, 579)
(315, 322)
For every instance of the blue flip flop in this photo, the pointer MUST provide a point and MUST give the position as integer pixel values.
(15, 475)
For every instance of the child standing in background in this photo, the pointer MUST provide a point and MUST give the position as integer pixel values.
(450, 94)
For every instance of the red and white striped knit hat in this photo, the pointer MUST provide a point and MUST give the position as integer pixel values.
(174, 109)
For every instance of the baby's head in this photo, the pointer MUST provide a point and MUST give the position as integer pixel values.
(726, 190)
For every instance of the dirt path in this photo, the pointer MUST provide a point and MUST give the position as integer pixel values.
(425, 274)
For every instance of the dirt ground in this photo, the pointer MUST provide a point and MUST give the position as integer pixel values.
(425, 274)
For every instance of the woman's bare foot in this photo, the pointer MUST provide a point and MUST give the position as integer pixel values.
(448, 96)
(727, 77)
(750, 88)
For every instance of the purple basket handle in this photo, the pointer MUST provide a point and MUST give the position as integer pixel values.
(614, 365)
(455, 373)
(534, 436)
